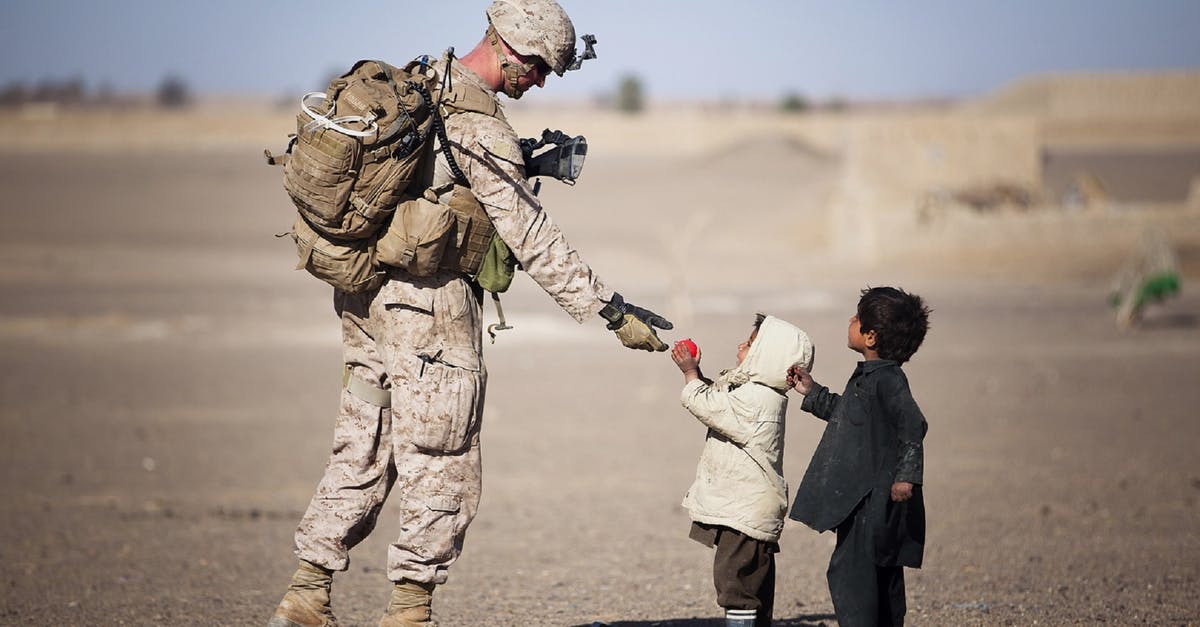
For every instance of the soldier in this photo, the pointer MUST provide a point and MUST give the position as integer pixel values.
(410, 411)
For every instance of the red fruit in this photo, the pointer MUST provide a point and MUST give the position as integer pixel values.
(691, 346)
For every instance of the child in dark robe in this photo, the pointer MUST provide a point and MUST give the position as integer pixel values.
(864, 480)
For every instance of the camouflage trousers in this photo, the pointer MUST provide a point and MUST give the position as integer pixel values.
(419, 339)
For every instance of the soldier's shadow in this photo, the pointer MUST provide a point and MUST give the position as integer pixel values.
(804, 620)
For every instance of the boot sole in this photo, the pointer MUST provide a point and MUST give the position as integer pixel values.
(282, 622)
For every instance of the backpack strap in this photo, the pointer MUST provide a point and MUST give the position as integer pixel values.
(465, 98)
(459, 96)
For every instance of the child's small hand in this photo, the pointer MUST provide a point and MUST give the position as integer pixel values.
(902, 491)
(682, 356)
(798, 378)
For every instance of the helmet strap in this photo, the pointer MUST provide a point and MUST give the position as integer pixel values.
(512, 71)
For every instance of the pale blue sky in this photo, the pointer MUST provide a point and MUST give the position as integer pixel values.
(680, 48)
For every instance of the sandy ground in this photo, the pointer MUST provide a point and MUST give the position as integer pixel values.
(168, 386)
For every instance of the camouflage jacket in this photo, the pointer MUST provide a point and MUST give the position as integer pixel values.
(488, 152)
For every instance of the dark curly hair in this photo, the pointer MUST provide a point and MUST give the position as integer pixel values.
(899, 320)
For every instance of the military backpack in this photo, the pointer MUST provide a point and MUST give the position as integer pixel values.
(351, 169)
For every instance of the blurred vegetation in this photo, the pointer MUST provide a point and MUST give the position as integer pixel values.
(64, 92)
(793, 102)
(631, 96)
(173, 93)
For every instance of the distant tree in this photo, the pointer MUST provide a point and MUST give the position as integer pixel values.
(60, 92)
(72, 92)
(837, 104)
(630, 96)
(794, 103)
(173, 93)
(14, 94)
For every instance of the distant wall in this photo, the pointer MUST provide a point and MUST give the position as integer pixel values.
(892, 162)
(1104, 109)
(1098, 96)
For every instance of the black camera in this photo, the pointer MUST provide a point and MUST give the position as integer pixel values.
(563, 161)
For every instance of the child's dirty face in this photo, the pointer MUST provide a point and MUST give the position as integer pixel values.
(744, 347)
(856, 340)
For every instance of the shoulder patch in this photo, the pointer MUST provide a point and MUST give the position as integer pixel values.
(503, 147)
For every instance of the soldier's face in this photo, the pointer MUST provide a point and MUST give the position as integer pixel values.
(535, 76)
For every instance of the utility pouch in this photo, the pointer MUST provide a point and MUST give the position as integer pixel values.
(498, 267)
(416, 239)
(349, 266)
(473, 233)
(321, 172)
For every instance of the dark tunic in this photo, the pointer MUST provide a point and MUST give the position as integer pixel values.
(873, 440)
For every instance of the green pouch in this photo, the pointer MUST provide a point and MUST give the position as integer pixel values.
(498, 267)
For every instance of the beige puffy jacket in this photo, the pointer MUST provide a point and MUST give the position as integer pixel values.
(739, 480)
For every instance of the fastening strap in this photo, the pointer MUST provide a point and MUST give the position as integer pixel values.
(365, 392)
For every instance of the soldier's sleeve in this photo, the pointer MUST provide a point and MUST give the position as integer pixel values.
(719, 410)
(488, 152)
(900, 405)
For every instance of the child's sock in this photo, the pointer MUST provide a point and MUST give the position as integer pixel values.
(740, 618)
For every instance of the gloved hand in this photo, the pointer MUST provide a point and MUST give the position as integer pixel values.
(634, 325)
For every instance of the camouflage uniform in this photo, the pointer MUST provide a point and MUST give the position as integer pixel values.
(420, 338)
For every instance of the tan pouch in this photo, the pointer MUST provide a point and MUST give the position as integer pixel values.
(416, 238)
(321, 172)
(348, 266)
(473, 233)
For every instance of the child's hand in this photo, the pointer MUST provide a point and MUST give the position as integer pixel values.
(901, 491)
(798, 377)
(682, 356)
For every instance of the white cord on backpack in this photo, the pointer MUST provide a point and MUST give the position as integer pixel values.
(322, 121)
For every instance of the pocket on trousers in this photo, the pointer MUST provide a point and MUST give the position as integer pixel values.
(439, 406)
(433, 526)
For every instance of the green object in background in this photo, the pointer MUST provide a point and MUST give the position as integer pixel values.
(1154, 288)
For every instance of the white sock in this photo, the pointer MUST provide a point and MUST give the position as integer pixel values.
(741, 615)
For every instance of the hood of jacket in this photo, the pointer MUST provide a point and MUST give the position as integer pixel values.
(776, 348)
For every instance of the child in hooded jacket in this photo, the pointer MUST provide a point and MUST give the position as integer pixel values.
(739, 498)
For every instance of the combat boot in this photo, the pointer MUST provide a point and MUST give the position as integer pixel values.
(306, 602)
(409, 606)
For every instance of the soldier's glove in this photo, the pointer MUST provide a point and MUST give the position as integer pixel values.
(634, 326)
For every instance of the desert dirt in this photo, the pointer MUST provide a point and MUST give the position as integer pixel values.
(168, 385)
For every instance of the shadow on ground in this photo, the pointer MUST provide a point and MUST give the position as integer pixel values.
(804, 620)
(1169, 321)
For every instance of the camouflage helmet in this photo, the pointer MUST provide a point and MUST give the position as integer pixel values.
(537, 28)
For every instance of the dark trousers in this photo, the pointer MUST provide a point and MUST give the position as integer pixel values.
(864, 593)
(743, 570)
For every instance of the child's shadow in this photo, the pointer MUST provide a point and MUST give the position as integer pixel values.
(804, 620)
(1172, 320)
